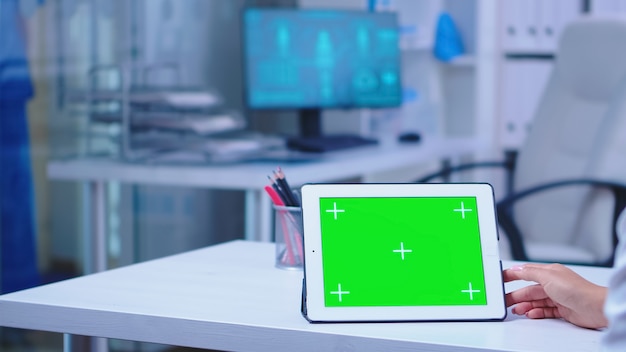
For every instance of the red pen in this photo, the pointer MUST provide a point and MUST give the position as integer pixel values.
(274, 196)
(279, 202)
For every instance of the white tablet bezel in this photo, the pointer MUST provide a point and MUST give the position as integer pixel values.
(313, 291)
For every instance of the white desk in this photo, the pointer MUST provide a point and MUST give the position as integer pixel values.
(230, 297)
(248, 177)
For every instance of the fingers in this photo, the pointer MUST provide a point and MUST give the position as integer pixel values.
(540, 309)
(533, 302)
(559, 293)
(537, 313)
(544, 313)
(524, 307)
(526, 294)
(511, 274)
(529, 272)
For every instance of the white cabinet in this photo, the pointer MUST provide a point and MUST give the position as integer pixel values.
(521, 82)
(529, 32)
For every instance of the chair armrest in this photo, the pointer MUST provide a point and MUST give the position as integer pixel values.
(447, 170)
(508, 164)
(507, 222)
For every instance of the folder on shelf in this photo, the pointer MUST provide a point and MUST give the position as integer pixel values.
(534, 26)
(523, 83)
(516, 23)
(547, 24)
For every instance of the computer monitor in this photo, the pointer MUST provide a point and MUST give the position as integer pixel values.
(311, 59)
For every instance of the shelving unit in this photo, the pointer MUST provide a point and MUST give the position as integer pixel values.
(482, 93)
(492, 90)
(529, 32)
(152, 119)
(458, 94)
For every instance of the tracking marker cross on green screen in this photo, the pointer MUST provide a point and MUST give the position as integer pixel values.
(413, 251)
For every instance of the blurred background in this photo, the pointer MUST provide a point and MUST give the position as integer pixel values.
(473, 68)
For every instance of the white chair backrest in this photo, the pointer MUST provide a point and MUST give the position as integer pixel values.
(575, 134)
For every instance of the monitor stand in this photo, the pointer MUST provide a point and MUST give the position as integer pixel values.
(311, 138)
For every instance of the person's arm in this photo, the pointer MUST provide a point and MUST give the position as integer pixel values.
(559, 293)
(615, 307)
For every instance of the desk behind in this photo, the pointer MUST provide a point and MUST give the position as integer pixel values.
(230, 297)
(248, 177)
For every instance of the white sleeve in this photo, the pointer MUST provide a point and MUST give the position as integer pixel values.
(615, 306)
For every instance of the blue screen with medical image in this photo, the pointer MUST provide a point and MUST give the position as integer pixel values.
(297, 58)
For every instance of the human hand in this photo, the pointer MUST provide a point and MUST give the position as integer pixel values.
(559, 293)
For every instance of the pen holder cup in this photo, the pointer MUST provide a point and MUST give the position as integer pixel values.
(288, 236)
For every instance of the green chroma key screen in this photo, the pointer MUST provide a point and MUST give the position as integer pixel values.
(414, 251)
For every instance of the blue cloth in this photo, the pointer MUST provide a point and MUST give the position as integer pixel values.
(18, 257)
(448, 43)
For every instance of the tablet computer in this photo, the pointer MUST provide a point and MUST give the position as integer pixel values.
(401, 252)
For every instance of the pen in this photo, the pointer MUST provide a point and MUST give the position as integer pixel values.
(274, 196)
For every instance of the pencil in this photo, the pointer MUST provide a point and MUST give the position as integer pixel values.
(278, 190)
(282, 182)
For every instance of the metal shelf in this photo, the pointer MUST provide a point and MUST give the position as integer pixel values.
(139, 107)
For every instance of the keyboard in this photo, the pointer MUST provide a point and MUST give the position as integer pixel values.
(328, 143)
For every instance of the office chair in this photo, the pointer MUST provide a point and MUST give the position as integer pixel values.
(568, 182)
